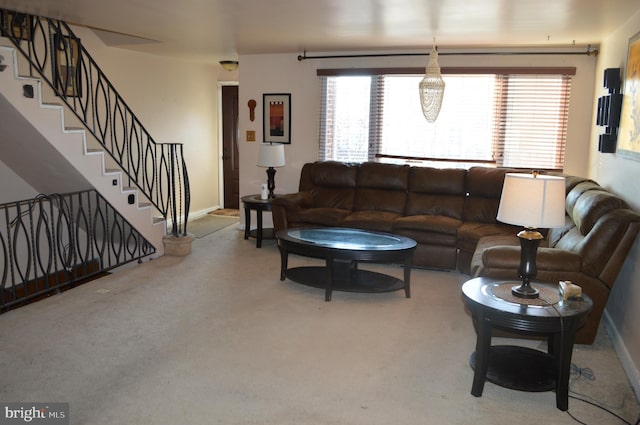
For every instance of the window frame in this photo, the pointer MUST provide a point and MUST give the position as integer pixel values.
(566, 72)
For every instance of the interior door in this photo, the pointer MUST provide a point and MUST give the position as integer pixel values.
(230, 157)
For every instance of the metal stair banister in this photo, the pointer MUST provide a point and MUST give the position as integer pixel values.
(58, 57)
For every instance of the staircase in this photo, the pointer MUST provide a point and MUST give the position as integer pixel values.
(30, 112)
(81, 132)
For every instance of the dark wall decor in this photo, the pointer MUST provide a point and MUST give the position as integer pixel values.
(17, 25)
(609, 107)
(66, 61)
(276, 121)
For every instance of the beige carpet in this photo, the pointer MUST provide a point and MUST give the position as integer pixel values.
(210, 223)
(217, 338)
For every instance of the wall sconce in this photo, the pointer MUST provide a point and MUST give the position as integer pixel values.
(229, 65)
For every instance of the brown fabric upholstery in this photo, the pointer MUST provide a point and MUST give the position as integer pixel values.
(451, 213)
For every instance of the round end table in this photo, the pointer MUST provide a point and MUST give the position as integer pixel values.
(493, 306)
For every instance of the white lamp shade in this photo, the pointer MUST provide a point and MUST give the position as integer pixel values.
(271, 155)
(529, 200)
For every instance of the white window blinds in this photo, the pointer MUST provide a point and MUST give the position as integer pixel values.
(511, 119)
(532, 116)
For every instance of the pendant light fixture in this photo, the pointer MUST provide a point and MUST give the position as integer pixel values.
(432, 87)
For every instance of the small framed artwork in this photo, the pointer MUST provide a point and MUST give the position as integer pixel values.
(276, 121)
(629, 132)
(66, 70)
(17, 25)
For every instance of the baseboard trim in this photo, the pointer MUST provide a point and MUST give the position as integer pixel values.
(630, 368)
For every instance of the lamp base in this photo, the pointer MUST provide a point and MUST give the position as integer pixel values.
(525, 291)
(529, 240)
(271, 181)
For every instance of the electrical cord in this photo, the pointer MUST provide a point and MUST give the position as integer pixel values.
(588, 374)
(599, 406)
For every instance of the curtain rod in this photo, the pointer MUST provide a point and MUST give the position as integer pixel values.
(588, 52)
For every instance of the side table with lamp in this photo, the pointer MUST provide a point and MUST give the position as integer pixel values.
(270, 156)
(532, 201)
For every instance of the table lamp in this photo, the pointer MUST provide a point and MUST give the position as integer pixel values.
(271, 156)
(532, 201)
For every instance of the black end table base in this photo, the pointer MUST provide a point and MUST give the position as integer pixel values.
(355, 280)
(519, 368)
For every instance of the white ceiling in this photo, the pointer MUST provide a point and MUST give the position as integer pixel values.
(223, 29)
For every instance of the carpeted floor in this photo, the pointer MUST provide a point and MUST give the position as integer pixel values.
(216, 338)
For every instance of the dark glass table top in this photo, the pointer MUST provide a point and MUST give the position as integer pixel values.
(482, 292)
(350, 239)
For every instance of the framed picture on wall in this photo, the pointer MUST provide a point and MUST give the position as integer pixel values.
(629, 132)
(66, 69)
(276, 121)
(17, 25)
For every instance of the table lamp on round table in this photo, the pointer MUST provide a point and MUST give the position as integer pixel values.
(533, 201)
(270, 156)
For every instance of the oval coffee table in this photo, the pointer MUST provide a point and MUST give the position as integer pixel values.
(342, 249)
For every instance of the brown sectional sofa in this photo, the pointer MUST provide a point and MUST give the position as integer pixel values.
(451, 213)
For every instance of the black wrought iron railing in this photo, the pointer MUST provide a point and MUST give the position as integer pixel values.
(57, 56)
(53, 242)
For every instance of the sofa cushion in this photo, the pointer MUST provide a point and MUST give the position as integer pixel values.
(576, 192)
(328, 174)
(555, 234)
(320, 216)
(592, 205)
(331, 184)
(428, 223)
(381, 221)
(437, 181)
(391, 201)
(382, 187)
(469, 233)
(483, 189)
(435, 191)
(336, 197)
(376, 175)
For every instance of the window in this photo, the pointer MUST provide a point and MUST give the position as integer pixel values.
(345, 129)
(516, 119)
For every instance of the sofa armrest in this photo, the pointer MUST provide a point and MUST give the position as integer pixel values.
(551, 259)
(282, 204)
(294, 200)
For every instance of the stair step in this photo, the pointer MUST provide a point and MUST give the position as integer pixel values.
(65, 126)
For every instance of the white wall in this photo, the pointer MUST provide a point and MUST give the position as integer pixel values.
(14, 188)
(283, 73)
(622, 176)
(176, 101)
